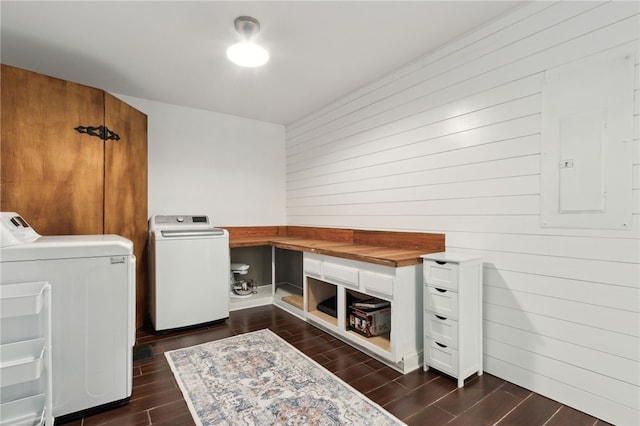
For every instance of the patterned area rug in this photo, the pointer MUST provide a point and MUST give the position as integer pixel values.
(259, 379)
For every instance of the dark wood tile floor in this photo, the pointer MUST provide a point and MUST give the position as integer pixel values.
(417, 398)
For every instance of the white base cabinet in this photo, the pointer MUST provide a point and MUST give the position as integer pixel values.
(25, 354)
(328, 277)
(453, 314)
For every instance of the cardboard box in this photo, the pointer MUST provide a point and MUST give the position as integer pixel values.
(370, 322)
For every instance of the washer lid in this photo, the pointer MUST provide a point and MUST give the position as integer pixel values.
(68, 247)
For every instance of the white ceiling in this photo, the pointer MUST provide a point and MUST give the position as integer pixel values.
(174, 51)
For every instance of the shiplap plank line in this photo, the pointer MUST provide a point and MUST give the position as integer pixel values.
(418, 129)
(528, 224)
(454, 101)
(424, 128)
(403, 90)
(517, 185)
(612, 249)
(605, 341)
(615, 273)
(399, 178)
(533, 65)
(605, 318)
(505, 131)
(546, 382)
(529, 55)
(493, 151)
(520, 204)
(410, 75)
(612, 366)
(624, 393)
(615, 297)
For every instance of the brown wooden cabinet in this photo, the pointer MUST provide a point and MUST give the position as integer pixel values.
(65, 182)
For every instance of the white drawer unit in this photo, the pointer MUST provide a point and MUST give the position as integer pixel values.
(453, 314)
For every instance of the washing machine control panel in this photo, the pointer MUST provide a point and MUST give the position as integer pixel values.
(179, 221)
(14, 230)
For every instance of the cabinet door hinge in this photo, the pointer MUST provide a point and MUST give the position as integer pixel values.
(101, 131)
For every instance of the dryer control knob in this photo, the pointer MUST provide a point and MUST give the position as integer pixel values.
(180, 219)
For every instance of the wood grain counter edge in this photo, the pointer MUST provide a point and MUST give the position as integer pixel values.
(389, 248)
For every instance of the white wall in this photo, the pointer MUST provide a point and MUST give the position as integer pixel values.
(451, 144)
(202, 162)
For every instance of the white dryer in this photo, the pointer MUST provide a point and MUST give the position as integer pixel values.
(92, 280)
(189, 271)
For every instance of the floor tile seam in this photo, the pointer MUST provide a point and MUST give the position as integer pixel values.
(416, 389)
(513, 409)
(373, 371)
(412, 389)
(338, 349)
(435, 404)
(158, 383)
(148, 410)
(161, 368)
(188, 411)
(136, 371)
(425, 407)
(551, 416)
(145, 362)
(511, 393)
(111, 420)
(431, 403)
(469, 407)
(312, 339)
(335, 373)
(164, 392)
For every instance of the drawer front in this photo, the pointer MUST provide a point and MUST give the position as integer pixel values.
(441, 357)
(339, 274)
(377, 283)
(441, 329)
(441, 274)
(312, 267)
(441, 301)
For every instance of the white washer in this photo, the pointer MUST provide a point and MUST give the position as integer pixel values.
(92, 280)
(189, 271)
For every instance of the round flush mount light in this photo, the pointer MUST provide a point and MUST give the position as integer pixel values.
(246, 53)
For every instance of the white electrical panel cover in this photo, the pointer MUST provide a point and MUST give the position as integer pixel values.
(587, 136)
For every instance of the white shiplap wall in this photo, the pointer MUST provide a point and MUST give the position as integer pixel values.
(451, 144)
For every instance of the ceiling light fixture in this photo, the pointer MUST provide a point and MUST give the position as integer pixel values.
(246, 53)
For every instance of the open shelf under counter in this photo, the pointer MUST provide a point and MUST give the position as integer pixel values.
(264, 296)
(383, 341)
(325, 318)
(393, 324)
(289, 297)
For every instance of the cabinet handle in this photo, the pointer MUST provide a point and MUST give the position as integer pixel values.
(101, 132)
(441, 345)
(441, 290)
(441, 318)
(441, 262)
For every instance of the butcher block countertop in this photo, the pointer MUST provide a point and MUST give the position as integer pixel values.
(389, 248)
